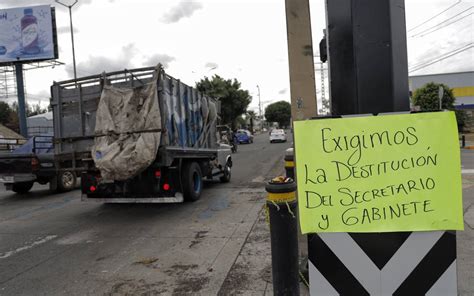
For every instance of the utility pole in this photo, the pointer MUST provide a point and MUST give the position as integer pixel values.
(21, 99)
(259, 102)
(260, 108)
(72, 34)
(301, 62)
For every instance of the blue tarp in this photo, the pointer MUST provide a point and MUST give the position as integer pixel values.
(42, 144)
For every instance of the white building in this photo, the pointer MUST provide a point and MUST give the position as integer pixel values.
(462, 84)
(40, 124)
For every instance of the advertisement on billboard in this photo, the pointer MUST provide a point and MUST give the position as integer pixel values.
(27, 34)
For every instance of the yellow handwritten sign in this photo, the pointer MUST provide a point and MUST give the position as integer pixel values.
(379, 173)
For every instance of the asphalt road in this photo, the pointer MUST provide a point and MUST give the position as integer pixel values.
(54, 244)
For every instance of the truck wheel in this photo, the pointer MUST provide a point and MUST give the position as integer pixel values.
(191, 178)
(22, 188)
(225, 178)
(66, 181)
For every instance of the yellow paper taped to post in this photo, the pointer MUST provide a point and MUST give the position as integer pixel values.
(379, 173)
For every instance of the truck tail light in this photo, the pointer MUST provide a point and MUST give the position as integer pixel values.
(166, 187)
(92, 188)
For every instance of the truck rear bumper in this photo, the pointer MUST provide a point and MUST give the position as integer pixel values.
(178, 198)
(17, 178)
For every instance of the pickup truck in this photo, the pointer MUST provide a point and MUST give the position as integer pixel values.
(22, 163)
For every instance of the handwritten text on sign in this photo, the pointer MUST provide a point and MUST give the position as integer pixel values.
(379, 173)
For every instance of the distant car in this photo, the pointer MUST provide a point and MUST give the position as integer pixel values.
(244, 136)
(277, 135)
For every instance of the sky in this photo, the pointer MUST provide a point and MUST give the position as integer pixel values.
(244, 39)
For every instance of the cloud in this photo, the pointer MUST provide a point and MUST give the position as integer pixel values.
(185, 8)
(164, 59)
(283, 91)
(98, 64)
(211, 65)
(66, 29)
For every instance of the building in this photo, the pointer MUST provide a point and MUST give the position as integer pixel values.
(9, 140)
(41, 124)
(462, 84)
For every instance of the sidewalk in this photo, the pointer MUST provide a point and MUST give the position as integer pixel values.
(251, 274)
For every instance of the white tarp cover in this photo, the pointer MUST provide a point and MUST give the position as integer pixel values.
(127, 129)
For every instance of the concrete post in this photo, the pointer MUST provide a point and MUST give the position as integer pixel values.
(301, 62)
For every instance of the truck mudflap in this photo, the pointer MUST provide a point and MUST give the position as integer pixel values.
(178, 198)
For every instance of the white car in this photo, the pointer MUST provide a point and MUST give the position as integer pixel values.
(277, 135)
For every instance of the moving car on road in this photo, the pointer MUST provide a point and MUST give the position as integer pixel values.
(24, 163)
(244, 136)
(277, 135)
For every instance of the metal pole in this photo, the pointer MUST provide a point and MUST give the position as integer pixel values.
(72, 41)
(21, 99)
(260, 108)
(72, 35)
(259, 102)
(440, 96)
(283, 215)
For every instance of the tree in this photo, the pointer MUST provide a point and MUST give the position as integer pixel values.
(240, 122)
(279, 112)
(234, 100)
(32, 110)
(5, 111)
(427, 98)
(252, 116)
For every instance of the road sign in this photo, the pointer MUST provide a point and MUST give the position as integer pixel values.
(417, 263)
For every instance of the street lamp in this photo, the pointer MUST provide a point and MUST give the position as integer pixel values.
(72, 34)
(260, 108)
(259, 102)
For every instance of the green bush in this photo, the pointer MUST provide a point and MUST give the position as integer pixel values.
(427, 98)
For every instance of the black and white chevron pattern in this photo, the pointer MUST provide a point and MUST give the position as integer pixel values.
(402, 263)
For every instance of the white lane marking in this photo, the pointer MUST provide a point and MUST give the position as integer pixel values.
(29, 246)
(79, 237)
(467, 171)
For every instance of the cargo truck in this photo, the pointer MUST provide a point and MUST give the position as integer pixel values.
(137, 136)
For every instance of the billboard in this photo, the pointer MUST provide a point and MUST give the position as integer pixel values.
(27, 34)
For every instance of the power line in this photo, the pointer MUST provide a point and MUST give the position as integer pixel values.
(442, 55)
(425, 62)
(414, 35)
(435, 16)
(461, 18)
(440, 58)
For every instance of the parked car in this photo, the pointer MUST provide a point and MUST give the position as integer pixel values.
(277, 135)
(244, 136)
